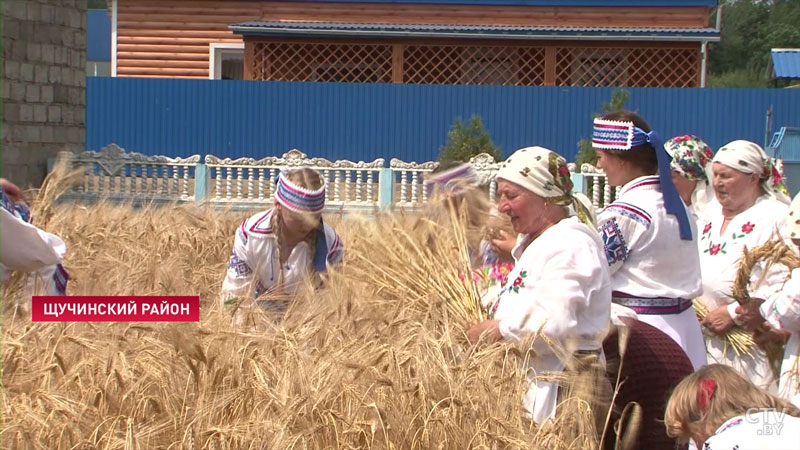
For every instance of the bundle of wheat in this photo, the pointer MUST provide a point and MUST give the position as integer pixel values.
(772, 252)
(374, 359)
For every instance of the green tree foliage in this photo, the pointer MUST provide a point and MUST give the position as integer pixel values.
(750, 28)
(587, 155)
(97, 4)
(466, 141)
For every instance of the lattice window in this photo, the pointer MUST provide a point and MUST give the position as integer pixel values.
(352, 63)
(645, 67)
(676, 67)
(457, 64)
(592, 67)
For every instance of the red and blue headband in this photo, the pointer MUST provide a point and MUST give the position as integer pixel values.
(623, 136)
(616, 135)
(297, 198)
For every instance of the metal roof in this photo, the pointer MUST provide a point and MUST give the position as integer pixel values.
(785, 62)
(601, 3)
(379, 30)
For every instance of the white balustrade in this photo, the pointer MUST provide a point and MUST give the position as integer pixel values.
(115, 173)
(119, 175)
(344, 179)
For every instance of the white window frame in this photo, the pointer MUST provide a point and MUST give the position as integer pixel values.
(215, 51)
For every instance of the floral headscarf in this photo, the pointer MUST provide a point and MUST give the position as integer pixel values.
(545, 173)
(692, 158)
(748, 157)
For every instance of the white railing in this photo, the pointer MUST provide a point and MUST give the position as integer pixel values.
(116, 174)
(408, 181)
(596, 187)
(246, 180)
(250, 183)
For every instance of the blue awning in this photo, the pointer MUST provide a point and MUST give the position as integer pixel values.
(785, 63)
(384, 30)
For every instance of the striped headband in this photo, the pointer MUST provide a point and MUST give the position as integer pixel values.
(299, 199)
(616, 135)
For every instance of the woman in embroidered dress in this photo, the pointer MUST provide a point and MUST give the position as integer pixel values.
(778, 318)
(559, 286)
(26, 248)
(275, 250)
(691, 171)
(750, 210)
(721, 410)
(647, 233)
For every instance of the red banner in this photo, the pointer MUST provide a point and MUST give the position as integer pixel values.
(116, 309)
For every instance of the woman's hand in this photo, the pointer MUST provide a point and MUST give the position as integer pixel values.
(12, 190)
(502, 244)
(769, 335)
(749, 314)
(718, 321)
(488, 329)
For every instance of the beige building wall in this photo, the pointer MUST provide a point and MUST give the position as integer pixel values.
(43, 85)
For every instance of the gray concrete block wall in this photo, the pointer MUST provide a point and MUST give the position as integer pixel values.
(43, 85)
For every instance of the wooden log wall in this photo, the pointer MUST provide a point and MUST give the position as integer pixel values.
(170, 38)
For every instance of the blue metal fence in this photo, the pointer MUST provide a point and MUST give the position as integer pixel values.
(409, 122)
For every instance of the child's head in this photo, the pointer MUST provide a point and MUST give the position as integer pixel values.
(706, 399)
(299, 200)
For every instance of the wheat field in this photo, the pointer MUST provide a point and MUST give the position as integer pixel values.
(375, 358)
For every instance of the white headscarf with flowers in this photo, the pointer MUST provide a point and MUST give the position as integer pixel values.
(692, 159)
(793, 218)
(749, 157)
(545, 173)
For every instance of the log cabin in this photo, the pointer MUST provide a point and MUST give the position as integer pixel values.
(647, 43)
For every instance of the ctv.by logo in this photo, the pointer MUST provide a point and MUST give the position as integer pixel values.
(770, 420)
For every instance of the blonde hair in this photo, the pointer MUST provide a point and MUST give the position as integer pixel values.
(733, 396)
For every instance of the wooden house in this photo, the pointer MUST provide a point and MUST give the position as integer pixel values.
(485, 42)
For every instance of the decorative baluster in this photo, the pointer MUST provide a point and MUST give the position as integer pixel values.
(336, 184)
(229, 183)
(596, 191)
(185, 181)
(111, 184)
(369, 181)
(606, 193)
(174, 184)
(493, 190)
(261, 183)
(128, 186)
(149, 180)
(164, 180)
(424, 194)
(348, 174)
(358, 185)
(326, 176)
(139, 182)
(403, 188)
(414, 185)
(273, 173)
(99, 178)
(251, 182)
(218, 183)
(616, 192)
(239, 183)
